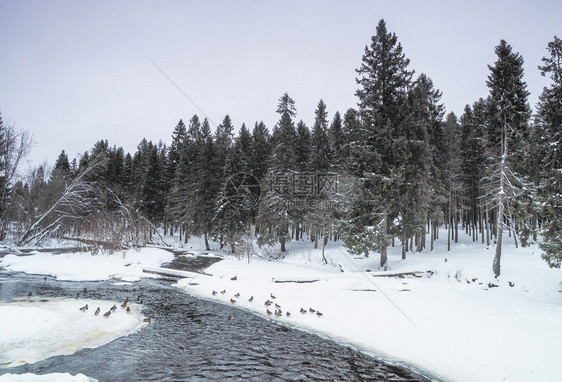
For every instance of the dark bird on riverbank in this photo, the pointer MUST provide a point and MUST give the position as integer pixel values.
(268, 312)
(214, 293)
(277, 305)
(319, 314)
(311, 310)
(128, 309)
(77, 295)
(45, 278)
(303, 311)
(511, 284)
(97, 311)
(107, 314)
(113, 308)
(85, 290)
(272, 296)
(277, 313)
(29, 294)
(223, 291)
(234, 278)
(147, 319)
(288, 314)
(124, 304)
(251, 299)
(268, 303)
(237, 295)
(232, 301)
(84, 308)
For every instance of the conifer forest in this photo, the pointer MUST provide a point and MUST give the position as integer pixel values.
(388, 172)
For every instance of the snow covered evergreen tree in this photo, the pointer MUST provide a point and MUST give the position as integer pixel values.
(507, 132)
(276, 214)
(473, 161)
(236, 203)
(378, 148)
(549, 123)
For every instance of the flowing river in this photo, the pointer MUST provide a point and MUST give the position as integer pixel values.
(196, 340)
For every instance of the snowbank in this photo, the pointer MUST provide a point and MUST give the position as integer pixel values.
(453, 323)
(34, 329)
(87, 267)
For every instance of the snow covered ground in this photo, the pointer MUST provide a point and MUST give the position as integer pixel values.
(451, 323)
(454, 324)
(83, 266)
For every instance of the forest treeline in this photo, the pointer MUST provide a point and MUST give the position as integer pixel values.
(389, 172)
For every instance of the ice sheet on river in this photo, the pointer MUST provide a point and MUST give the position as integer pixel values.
(33, 329)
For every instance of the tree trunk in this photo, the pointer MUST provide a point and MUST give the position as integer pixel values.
(282, 242)
(324, 242)
(384, 256)
(207, 248)
(404, 245)
(487, 229)
(432, 235)
(497, 266)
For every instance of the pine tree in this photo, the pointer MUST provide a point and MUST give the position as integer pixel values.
(303, 147)
(4, 186)
(338, 142)
(452, 180)
(62, 167)
(236, 203)
(320, 156)
(549, 123)
(182, 193)
(473, 161)
(377, 150)
(276, 214)
(178, 136)
(261, 151)
(507, 136)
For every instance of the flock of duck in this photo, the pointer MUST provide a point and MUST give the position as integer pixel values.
(113, 309)
(268, 303)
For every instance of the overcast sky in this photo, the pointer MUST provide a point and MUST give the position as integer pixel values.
(75, 72)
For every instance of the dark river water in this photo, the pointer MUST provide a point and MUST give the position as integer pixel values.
(196, 340)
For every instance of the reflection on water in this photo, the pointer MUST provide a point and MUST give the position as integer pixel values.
(191, 339)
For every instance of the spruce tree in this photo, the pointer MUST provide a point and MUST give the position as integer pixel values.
(549, 123)
(507, 132)
(338, 142)
(378, 152)
(236, 204)
(473, 161)
(320, 156)
(277, 213)
(303, 148)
